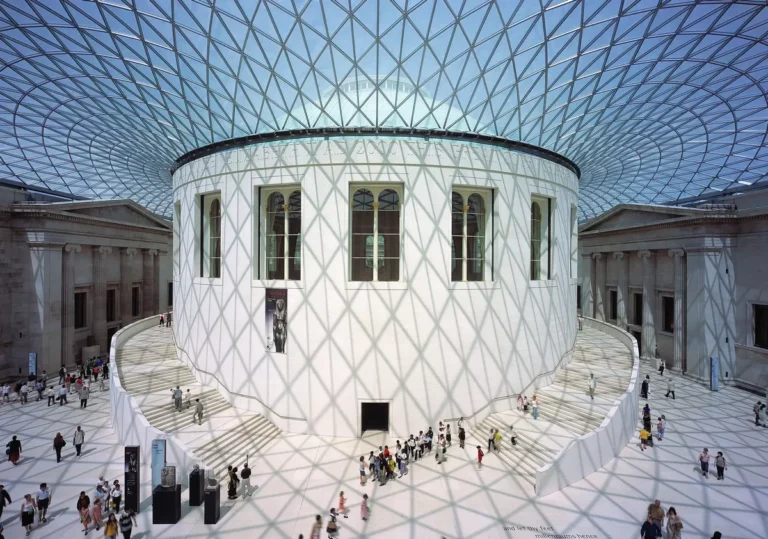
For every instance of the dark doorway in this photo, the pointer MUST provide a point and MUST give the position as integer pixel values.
(637, 335)
(374, 416)
(110, 333)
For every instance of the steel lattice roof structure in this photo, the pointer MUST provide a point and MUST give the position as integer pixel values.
(655, 101)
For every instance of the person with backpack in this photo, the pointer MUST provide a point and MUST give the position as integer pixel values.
(58, 445)
(245, 475)
(721, 465)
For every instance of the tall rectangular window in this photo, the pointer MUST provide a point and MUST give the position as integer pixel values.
(470, 240)
(761, 326)
(375, 233)
(176, 236)
(81, 310)
(638, 309)
(210, 235)
(281, 234)
(541, 238)
(111, 305)
(574, 241)
(578, 297)
(170, 295)
(136, 301)
(613, 305)
(668, 314)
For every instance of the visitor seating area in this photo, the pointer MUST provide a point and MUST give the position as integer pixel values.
(565, 408)
(149, 370)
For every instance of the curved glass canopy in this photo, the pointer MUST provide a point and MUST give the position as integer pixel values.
(654, 101)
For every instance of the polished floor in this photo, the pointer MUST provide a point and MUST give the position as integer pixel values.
(299, 476)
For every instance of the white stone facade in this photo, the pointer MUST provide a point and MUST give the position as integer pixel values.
(430, 347)
(51, 251)
(708, 263)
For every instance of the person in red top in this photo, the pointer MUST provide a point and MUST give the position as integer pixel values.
(480, 455)
(386, 451)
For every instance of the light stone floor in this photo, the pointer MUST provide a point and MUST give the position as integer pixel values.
(299, 476)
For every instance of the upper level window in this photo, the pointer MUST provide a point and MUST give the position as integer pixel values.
(281, 237)
(210, 234)
(761, 326)
(540, 238)
(375, 237)
(81, 310)
(470, 243)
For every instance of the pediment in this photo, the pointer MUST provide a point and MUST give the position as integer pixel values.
(627, 216)
(118, 212)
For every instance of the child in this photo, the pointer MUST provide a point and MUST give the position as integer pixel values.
(342, 505)
(479, 457)
(462, 437)
(97, 513)
(391, 466)
(644, 434)
(364, 508)
(362, 471)
(188, 398)
(660, 429)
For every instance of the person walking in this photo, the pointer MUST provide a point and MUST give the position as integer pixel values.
(650, 530)
(51, 394)
(761, 415)
(98, 513)
(43, 498)
(364, 508)
(333, 527)
(84, 510)
(14, 450)
(28, 508)
(756, 411)
(721, 465)
(674, 524)
(127, 522)
(317, 528)
(162, 320)
(670, 388)
(448, 433)
(102, 379)
(462, 437)
(342, 510)
(535, 406)
(660, 429)
(245, 475)
(656, 513)
(644, 387)
(110, 528)
(188, 398)
(480, 455)
(491, 435)
(592, 386)
(116, 495)
(62, 374)
(24, 394)
(4, 497)
(84, 394)
(497, 441)
(62, 398)
(198, 412)
(704, 461)
(177, 395)
(79, 439)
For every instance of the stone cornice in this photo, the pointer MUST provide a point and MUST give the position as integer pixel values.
(29, 213)
(677, 223)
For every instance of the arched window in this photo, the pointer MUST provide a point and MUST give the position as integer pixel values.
(535, 241)
(214, 240)
(282, 235)
(468, 234)
(375, 237)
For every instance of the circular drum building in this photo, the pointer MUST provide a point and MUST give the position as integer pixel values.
(343, 280)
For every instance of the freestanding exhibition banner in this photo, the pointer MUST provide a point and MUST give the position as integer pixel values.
(132, 477)
(276, 319)
(714, 372)
(32, 363)
(158, 462)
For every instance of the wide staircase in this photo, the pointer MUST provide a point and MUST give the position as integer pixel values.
(566, 410)
(149, 369)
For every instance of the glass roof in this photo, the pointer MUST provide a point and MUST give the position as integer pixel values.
(655, 101)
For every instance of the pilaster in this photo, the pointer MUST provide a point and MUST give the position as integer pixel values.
(100, 296)
(649, 303)
(126, 284)
(587, 278)
(150, 293)
(679, 322)
(599, 272)
(622, 289)
(68, 303)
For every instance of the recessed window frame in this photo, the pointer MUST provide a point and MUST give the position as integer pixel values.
(209, 247)
(262, 258)
(486, 194)
(540, 237)
(667, 313)
(613, 304)
(80, 300)
(760, 325)
(376, 189)
(136, 301)
(114, 293)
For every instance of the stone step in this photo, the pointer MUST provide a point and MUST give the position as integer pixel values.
(174, 420)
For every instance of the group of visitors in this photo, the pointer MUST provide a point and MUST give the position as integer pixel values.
(524, 405)
(106, 501)
(13, 448)
(183, 400)
(654, 523)
(646, 436)
(759, 411)
(166, 320)
(233, 481)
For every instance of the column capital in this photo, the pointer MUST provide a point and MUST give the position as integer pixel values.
(618, 255)
(151, 252)
(128, 251)
(586, 255)
(676, 252)
(72, 248)
(102, 249)
(645, 254)
(597, 256)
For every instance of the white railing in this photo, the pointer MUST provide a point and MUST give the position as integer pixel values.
(594, 450)
(128, 421)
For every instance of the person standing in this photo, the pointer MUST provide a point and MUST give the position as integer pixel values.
(491, 435)
(535, 406)
(62, 374)
(704, 461)
(660, 429)
(43, 497)
(448, 433)
(245, 475)
(232, 486)
(188, 398)
(497, 441)
(79, 439)
(110, 528)
(84, 510)
(6, 393)
(650, 530)
(644, 435)
(721, 465)
(51, 394)
(62, 395)
(28, 507)
(198, 412)
(670, 388)
(756, 411)
(674, 524)
(127, 522)
(362, 471)
(462, 437)
(84, 394)
(480, 455)
(24, 394)
(592, 386)
(14, 450)
(116, 495)
(98, 513)
(460, 424)
(162, 320)
(4, 497)
(177, 395)
(644, 387)
(364, 508)
(761, 415)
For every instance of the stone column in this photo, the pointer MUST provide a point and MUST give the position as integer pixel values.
(649, 303)
(679, 329)
(149, 293)
(100, 296)
(599, 272)
(587, 278)
(68, 303)
(126, 284)
(622, 290)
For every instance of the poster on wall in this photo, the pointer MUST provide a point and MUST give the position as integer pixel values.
(32, 363)
(158, 462)
(276, 317)
(132, 478)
